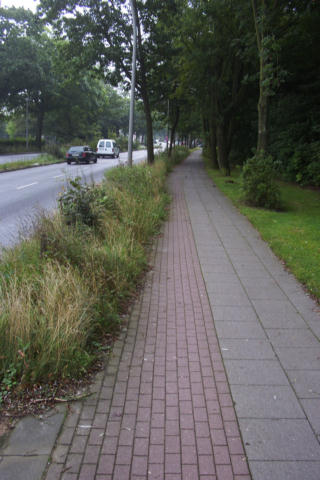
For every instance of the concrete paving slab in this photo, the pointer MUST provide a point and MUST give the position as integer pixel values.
(216, 268)
(227, 313)
(284, 317)
(246, 349)
(253, 271)
(224, 279)
(239, 330)
(265, 281)
(279, 440)
(314, 324)
(259, 292)
(277, 314)
(306, 383)
(22, 468)
(312, 408)
(266, 401)
(166, 383)
(26, 450)
(301, 337)
(34, 435)
(255, 372)
(231, 299)
(222, 289)
(285, 470)
(303, 358)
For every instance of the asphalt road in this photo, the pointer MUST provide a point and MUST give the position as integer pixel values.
(24, 193)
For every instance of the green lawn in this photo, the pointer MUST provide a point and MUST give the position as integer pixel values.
(293, 233)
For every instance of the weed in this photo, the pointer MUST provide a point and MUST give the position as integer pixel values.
(8, 382)
(64, 289)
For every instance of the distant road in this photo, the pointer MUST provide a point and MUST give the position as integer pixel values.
(24, 192)
(18, 157)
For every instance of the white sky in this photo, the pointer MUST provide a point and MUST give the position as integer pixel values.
(28, 4)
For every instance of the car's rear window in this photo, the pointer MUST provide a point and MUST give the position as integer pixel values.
(101, 144)
(75, 149)
(108, 144)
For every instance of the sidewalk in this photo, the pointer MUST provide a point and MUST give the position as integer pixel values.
(218, 370)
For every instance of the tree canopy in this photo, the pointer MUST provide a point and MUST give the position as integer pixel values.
(241, 76)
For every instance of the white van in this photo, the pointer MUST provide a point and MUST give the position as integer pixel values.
(107, 148)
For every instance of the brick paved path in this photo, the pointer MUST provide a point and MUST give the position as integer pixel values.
(162, 409)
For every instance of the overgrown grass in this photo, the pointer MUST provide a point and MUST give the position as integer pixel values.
(44, 159)
(64, 289)
(293, 233)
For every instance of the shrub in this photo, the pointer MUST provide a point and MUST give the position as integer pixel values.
(85, 204)
(55, 150)
(64, 288)
(258, 182)
(17, 145)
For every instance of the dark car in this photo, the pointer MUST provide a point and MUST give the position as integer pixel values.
(81, 155)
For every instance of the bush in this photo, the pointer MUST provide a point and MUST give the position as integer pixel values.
(84, 204)
(178, 154)
(17, 145)
(258, 182)
(55, 150)
(63, 289)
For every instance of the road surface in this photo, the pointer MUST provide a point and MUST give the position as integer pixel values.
(23, 193)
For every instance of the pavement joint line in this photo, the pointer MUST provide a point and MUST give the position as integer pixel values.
(164, 403)
(307, 326)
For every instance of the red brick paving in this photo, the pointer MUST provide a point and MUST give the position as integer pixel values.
(162, 409)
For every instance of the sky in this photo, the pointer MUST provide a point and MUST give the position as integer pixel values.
(31, 4)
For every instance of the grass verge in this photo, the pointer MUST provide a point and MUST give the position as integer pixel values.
(292, 233)
(44, 159)
(63, 290)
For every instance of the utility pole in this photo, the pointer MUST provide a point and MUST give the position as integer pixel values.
(27, 122)
(133, 82)
(168, 113)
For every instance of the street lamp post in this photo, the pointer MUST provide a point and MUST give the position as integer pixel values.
(27, 122)
(133, 81)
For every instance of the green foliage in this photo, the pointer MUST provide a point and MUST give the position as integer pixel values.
(292, 233)
(123, 144)
(258, 182)
(8, 382)
(62, 290)
(16, 145)
(55, 150)
(81, 204)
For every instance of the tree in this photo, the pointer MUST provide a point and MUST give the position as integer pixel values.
(26, 54)
(102, 33)
(216, 62)
(294, 131)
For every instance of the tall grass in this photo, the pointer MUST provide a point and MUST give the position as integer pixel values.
(65, 287)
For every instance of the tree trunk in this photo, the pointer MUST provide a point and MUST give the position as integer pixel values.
(262, 141)
(144, 92)
(213, 145)
(147, 111)
(223, 157)
(40, 119)
(173, 130)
